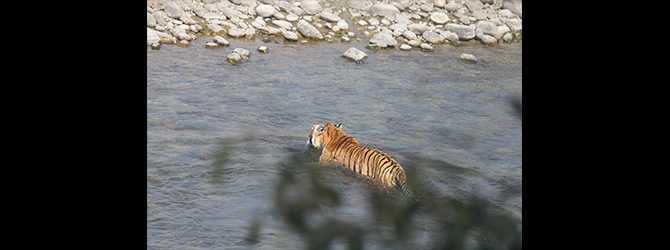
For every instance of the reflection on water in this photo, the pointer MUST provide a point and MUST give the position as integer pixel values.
(447, 122)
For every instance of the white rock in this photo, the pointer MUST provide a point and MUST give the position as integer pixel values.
(330, 17)
(311, 7)
(289, 35)
(265, 10)
(439, 18)
(342, 24)
(152, 37)
(468, 57)
(355, 54)
(405, 47)
(221, 41)
(307, 30)
(383, 9)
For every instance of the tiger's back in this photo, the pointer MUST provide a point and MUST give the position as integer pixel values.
(340, 148)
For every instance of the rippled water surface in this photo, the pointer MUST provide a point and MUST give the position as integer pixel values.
(412, 105)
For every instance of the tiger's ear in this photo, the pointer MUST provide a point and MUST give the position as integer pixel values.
(339, 125)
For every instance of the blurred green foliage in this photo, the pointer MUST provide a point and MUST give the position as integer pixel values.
(301, 196)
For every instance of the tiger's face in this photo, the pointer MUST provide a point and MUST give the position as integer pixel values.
(321, 134)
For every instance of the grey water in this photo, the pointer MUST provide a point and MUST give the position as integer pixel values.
(412, 105)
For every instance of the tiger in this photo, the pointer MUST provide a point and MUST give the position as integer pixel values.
(338, 147)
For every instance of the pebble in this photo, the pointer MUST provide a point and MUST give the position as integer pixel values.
(263, 49)
(468, 57)
(291, 17)
(405, 47)
(343, 25)
(487, 39)
(355, 54)
(183, 43)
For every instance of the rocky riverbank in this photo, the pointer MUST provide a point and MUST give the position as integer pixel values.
(389, 23)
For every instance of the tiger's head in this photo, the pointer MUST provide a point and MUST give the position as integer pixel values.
(323, 133)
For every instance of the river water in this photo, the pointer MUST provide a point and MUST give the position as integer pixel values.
(412, 105)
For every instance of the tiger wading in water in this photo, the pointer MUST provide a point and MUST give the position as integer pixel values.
(340, 148)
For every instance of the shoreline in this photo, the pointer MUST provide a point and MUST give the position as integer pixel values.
(405, 24)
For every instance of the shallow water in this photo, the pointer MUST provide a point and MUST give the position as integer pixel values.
(412, 105)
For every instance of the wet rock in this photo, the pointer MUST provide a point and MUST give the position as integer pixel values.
(468, 58)
(265, 10)
(414, 43)
(183, 43)
(263, 49)
(289, 35)
(439, 18)
(307, 30)
(384, 39)
(463, 32)
(221, 41)
(432, 37)
(330, 17)
(234, 58)
(311, 7)
(242, 52)
(211, 45)
(212, 15)
(173, 10)
(405, 47)
(383, 9)
(355, 54)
